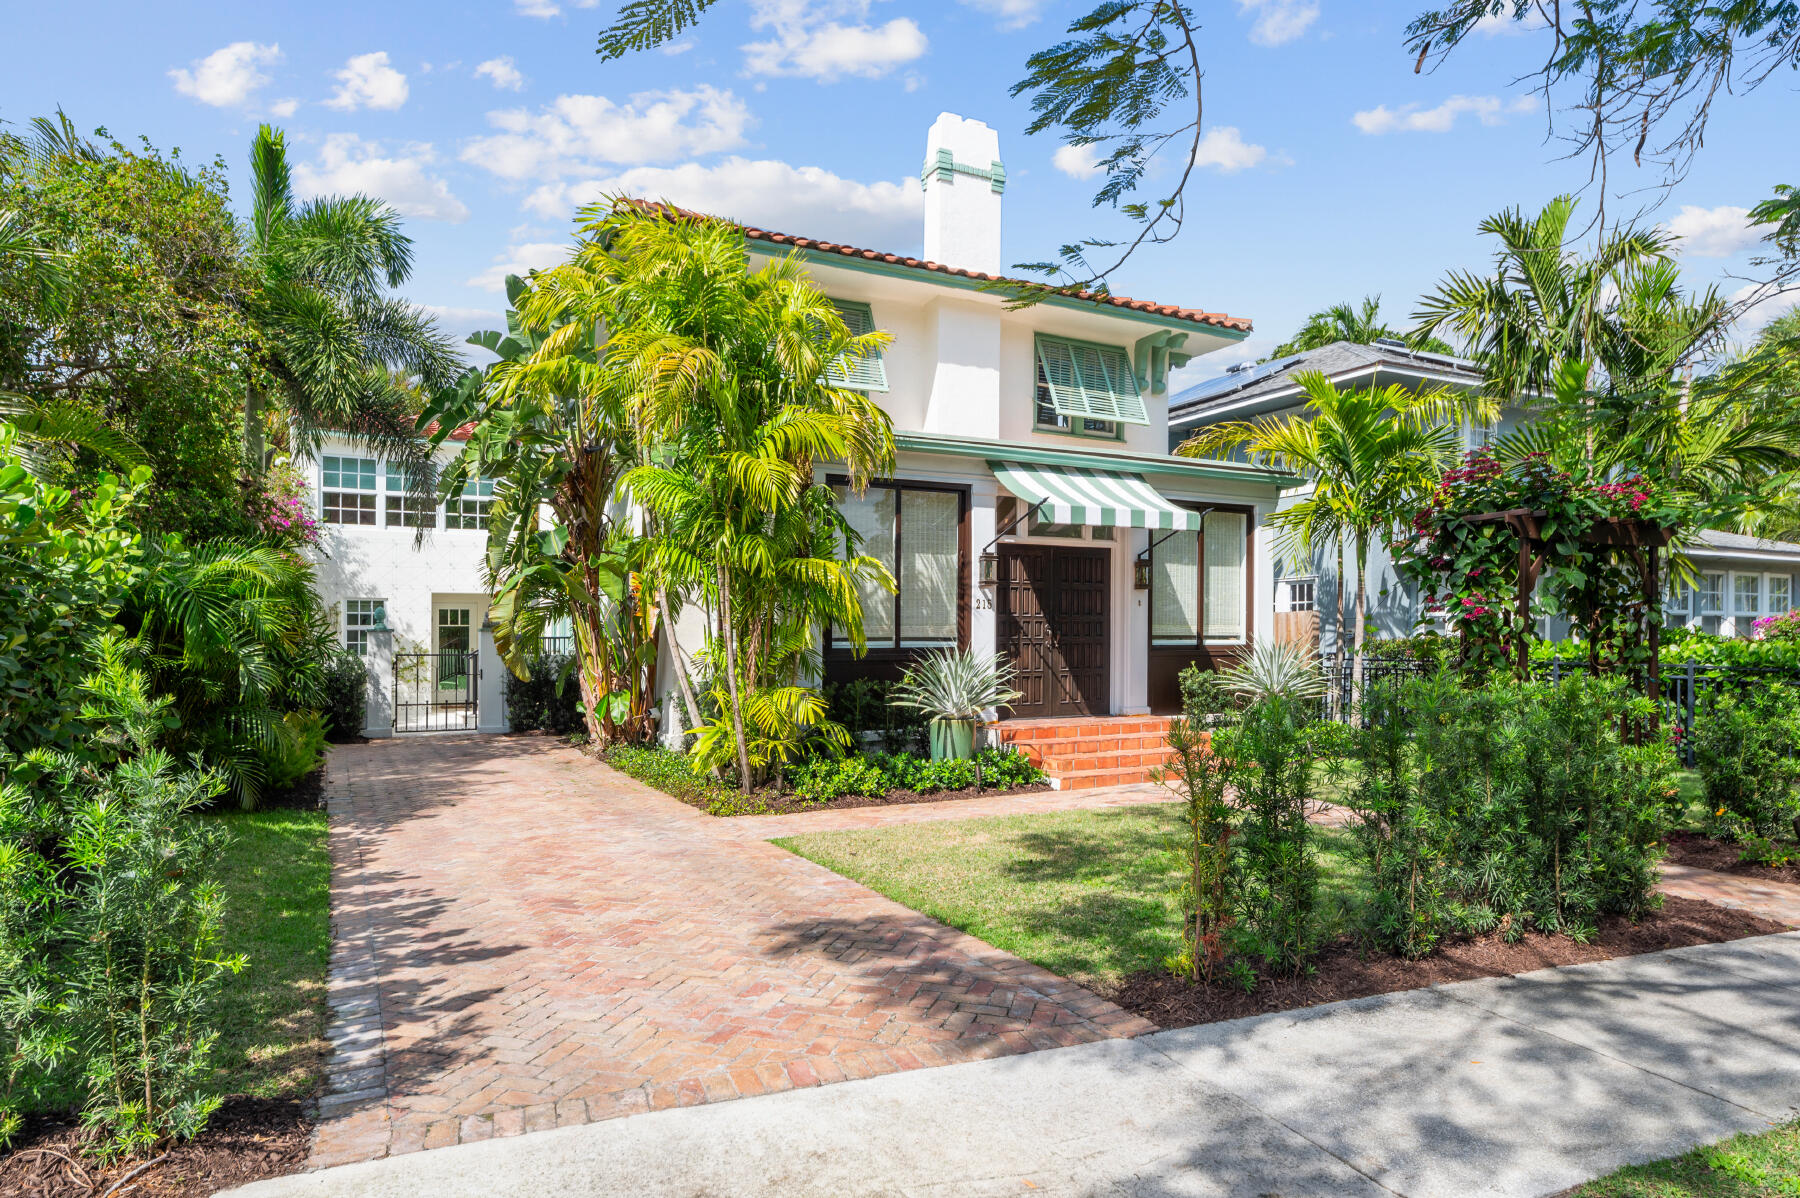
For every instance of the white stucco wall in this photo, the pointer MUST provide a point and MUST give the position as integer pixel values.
(413, 576)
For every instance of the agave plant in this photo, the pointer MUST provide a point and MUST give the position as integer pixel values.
(1275, 668)
(954, 685)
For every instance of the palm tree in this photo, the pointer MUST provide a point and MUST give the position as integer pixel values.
(334, 340)
(1544, 305)
(1361, 324)
(1372, 455)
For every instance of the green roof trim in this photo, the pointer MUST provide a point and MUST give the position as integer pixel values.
(1095, 459)
(895, 270)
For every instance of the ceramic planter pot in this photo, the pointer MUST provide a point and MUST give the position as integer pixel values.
(952, 739)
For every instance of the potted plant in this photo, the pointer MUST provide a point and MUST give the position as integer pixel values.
(953, 688)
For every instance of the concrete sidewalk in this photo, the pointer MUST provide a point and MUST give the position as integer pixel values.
(1509, 1086)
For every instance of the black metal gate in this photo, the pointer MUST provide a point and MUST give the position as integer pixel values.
(435, 692)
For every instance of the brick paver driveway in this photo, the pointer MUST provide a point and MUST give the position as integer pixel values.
(527, 939)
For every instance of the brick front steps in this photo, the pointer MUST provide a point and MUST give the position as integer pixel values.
(1088, 752)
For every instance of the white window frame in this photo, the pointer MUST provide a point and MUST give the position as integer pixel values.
(1732, 595)
(1288, 586)
(1787, 603)
(358, 492)
(1701, 594)
(361, 615)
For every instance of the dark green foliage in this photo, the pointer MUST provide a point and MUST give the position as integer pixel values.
(1744, 747)
(1202, 694)
(1511, 805)
(993, 768)
(299, 747)
(866, 705)
(1276, 873)
(549, 700)
(344, 698)
(110, 963)
(146, 331)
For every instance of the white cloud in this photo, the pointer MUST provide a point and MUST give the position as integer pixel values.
(284, 108)
(460, 322)
(1410, 118)
(503, 72)
(807, 201)
(1503, 24)
(681, 47)
(1712, 232)
(537, 8)
(582, 135)
(1765, 309)
(1011, 14)
(1225, 148)
(520, 259)
(349, 165)
(227, 76)
(1278, 21)
(1077, 162)
(367, 81)
(811, 41)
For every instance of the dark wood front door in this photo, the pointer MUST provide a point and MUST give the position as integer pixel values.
(1052, 625)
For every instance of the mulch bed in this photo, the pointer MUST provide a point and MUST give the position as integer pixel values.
(786, 804)
(1344, 970)
(246, 1140)
(1703, 852)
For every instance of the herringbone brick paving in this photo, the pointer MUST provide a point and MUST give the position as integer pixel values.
(527, 939)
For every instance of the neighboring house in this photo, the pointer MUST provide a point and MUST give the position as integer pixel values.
(1306, 591)
(372, 559)
(1737, 580)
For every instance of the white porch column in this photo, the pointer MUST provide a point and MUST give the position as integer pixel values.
(378, 720)
(490, 685)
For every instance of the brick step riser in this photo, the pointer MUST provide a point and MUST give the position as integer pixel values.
(1105, 761)
(1081, 730)
(1088, 745)
(1099, 778)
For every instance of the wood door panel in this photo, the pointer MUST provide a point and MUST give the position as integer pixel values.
(1052, 614)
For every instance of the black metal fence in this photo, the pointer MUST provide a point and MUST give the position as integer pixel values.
(435, 692)
(1688, 688)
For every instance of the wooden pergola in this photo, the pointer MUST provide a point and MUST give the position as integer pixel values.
(1642, 540)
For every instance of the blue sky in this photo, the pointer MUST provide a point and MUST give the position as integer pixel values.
(1331, 170)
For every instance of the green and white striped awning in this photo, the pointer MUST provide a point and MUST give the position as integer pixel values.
(1073, 495)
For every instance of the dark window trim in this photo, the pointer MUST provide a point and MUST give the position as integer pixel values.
(1199, 643)
(894, 651)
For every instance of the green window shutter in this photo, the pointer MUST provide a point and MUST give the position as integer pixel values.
(870, 374)
(1091, 381)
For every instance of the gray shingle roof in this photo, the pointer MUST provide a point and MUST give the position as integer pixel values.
(1733, 542)
(1340, 357)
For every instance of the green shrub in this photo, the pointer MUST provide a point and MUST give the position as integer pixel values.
(299, 745)
(1276, 874)
(1202, 694)
(994, 767)
(110, 916)
(866, 705)
(1205, 851)
(823, 780)
(1510, 805)
(346, 698)
(547, 700)
(673, 774)
(1744, 747)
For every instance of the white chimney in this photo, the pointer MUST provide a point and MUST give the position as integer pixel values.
(963, 180)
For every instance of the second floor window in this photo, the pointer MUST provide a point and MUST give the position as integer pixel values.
(406, 510)
(1085, 389)
(866, 374)
(470, 509)
(347, 495)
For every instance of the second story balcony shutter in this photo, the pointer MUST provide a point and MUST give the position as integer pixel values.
(1092, 381)
(869, 374)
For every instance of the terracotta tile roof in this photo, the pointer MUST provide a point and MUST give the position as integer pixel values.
(461, 432)
(1169, 311)
(1217, 319)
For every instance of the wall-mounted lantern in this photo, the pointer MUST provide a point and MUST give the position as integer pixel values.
(1140, 571)
(990, 569)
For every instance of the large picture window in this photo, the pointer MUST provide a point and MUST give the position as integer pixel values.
(1199, 583)
(916, 532)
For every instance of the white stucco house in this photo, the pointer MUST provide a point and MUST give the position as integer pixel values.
(1736, 579)
(1034, 510)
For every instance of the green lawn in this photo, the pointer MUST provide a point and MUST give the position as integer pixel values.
(277, 878)
(1089, 895)
(1753, 1165)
